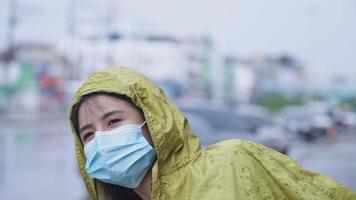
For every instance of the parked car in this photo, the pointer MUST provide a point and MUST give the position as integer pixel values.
(274, 137)
(309, 122)
(224, 124)
(225, 120)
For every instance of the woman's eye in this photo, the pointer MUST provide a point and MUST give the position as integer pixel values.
(113, 122)
(87, 136)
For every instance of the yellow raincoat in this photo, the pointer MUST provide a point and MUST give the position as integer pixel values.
(233, 169)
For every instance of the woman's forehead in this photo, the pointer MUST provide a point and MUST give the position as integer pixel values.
(99, 104)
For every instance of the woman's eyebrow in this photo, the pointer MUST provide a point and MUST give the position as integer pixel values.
(108, 114)
(87, 126)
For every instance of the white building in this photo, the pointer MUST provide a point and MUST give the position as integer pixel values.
(183, 59)
(248, 77)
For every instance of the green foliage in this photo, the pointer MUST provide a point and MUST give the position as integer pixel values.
(275, 102)
(350, 103)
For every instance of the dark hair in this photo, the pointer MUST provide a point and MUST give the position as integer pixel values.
(117, 192)
(111, 191)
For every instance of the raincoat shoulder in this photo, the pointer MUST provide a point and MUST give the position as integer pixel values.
(237, 169)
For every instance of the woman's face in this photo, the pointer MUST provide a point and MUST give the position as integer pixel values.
(103, 113)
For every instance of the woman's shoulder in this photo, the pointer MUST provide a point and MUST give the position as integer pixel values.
(239, 152)
(265, 166)
(235, 146)
(255, 156)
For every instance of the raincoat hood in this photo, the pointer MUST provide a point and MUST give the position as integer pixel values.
(172, 138)
(232, 169)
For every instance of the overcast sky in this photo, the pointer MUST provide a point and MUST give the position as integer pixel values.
(322, 33)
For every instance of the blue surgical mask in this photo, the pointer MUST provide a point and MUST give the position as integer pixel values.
(121, 156)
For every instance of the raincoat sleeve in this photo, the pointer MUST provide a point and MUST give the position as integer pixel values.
(290, 178)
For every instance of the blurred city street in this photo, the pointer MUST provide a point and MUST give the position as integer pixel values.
(278, 73)
(334, 158)
(37, 158)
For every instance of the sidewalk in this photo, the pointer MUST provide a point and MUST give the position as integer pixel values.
(335, 158)
(302, 150)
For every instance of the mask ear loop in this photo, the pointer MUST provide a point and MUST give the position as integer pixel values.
(143, 123)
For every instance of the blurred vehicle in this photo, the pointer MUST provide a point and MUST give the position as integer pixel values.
(344, 120)
(320, 125)
(310, 122)
(225, 120)
(274, 137)
(214, 124)
(349, 120)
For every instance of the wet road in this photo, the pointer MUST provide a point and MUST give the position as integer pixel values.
(37, 159)
(336, 159)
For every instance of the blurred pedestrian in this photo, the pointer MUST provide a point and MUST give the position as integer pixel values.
(132, 142)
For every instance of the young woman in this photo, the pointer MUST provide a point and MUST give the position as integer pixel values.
(132, 142)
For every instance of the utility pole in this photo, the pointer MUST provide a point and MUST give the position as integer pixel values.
(72, 29)
(111, 10)
(71, 17)
(11, 25)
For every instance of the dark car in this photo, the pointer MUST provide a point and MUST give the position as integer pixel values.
(215, 124)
